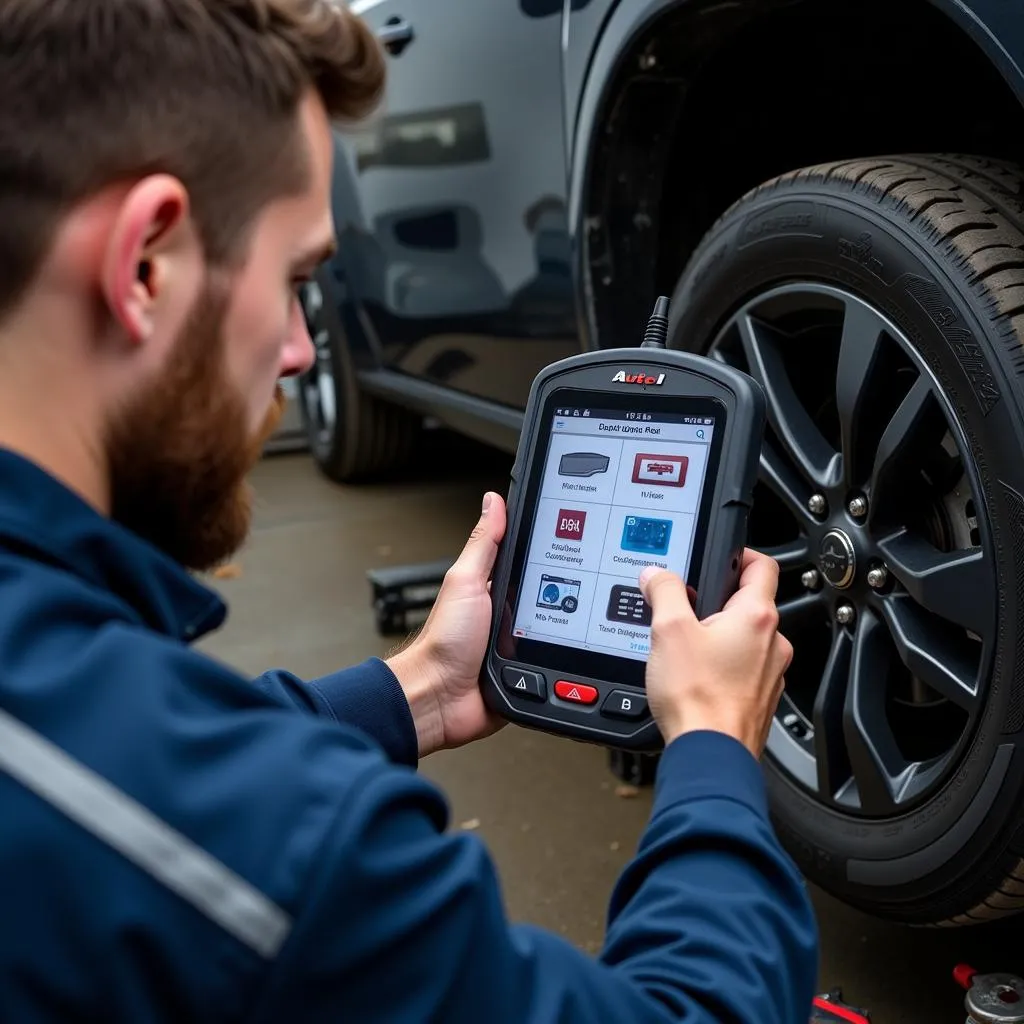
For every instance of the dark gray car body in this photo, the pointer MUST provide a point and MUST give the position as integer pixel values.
(489, 216)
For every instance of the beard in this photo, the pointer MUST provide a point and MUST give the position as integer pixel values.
(180, 452)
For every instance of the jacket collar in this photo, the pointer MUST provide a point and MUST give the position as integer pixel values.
(42, 518)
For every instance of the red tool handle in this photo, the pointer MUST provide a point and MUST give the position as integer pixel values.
(826, 1011)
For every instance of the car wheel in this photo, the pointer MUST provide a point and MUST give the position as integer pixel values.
(880, 303)
(353, 436)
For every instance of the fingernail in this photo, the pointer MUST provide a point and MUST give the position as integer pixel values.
(488, 498)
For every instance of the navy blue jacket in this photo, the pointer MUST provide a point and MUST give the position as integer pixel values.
(179, 844)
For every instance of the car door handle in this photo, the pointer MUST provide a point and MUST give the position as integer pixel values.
(395, 35)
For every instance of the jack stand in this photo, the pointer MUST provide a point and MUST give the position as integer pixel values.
(401, 589)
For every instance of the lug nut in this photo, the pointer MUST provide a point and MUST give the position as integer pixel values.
(817, 504)
(811, 579)
(878, 577)
(858, 507)
(845, 614)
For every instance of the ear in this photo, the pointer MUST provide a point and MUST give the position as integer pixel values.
(148, 255)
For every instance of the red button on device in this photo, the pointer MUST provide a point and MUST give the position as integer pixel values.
(576, 692)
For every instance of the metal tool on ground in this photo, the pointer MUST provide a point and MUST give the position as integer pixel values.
(400, 590)
(991, 998)
(830, 1009)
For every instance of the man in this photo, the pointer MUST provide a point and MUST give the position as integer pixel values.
(179, 844)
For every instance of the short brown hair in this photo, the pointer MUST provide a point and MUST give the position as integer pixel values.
(101, 91)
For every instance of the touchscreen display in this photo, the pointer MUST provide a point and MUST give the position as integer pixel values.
(620, 490)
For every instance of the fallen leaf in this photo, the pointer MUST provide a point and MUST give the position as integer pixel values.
(231, 571)
(471, 824)
(626, 792)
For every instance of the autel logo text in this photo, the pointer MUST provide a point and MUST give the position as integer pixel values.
(637, 378)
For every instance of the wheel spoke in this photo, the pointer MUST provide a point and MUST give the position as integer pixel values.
(796, 554)
(956, 586)
(829, 745)
(858, 355)
(807, 609)
(786, 485)
(878, 767)
(798, 433)
(917, 421)
(931, 652)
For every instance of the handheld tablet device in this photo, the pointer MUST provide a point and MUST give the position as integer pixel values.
(628, 457)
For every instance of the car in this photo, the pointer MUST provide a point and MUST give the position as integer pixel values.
(832, 193)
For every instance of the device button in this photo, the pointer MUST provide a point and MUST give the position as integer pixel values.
(523, 683)
(576, 692)
(619, 704)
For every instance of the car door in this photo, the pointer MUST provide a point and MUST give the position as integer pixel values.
(461, 261)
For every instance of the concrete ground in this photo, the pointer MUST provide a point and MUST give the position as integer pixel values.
(548, 809)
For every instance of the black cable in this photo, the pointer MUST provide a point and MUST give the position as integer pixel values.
(657, 326)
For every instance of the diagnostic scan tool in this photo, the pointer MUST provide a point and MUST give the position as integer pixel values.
(628, 457)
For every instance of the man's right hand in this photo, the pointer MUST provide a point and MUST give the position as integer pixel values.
(723, 673)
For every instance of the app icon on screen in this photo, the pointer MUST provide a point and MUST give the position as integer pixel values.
(648, 536)
(660, 470)
(627, 604)
(582, 464)
(558, 593)
(570, 524)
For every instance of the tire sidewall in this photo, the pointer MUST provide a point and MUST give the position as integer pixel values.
(802, 231)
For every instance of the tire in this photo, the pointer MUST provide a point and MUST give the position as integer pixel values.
(353, 436)
(920, 261)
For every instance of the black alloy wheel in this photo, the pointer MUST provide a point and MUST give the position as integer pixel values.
(867, 499)
(880, 304)
(318, 384)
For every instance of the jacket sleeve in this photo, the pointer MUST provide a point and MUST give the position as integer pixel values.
(367, 697)
(710, 922)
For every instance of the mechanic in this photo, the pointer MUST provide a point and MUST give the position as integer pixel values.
(178, 843)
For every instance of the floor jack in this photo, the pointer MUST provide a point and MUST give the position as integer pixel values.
(399, 591)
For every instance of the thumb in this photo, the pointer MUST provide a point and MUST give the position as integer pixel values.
(665, 591)
(481, 550)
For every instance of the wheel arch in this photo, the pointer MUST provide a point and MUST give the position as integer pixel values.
(673, 122)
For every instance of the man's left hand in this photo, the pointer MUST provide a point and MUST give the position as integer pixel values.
(440, 669)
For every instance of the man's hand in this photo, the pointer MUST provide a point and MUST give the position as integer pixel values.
(440, 670)
(724, 673)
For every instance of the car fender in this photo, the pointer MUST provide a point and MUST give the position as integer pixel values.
(600, 36)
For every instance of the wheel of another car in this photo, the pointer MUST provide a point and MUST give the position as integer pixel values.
(353, 436)
(880, 303)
